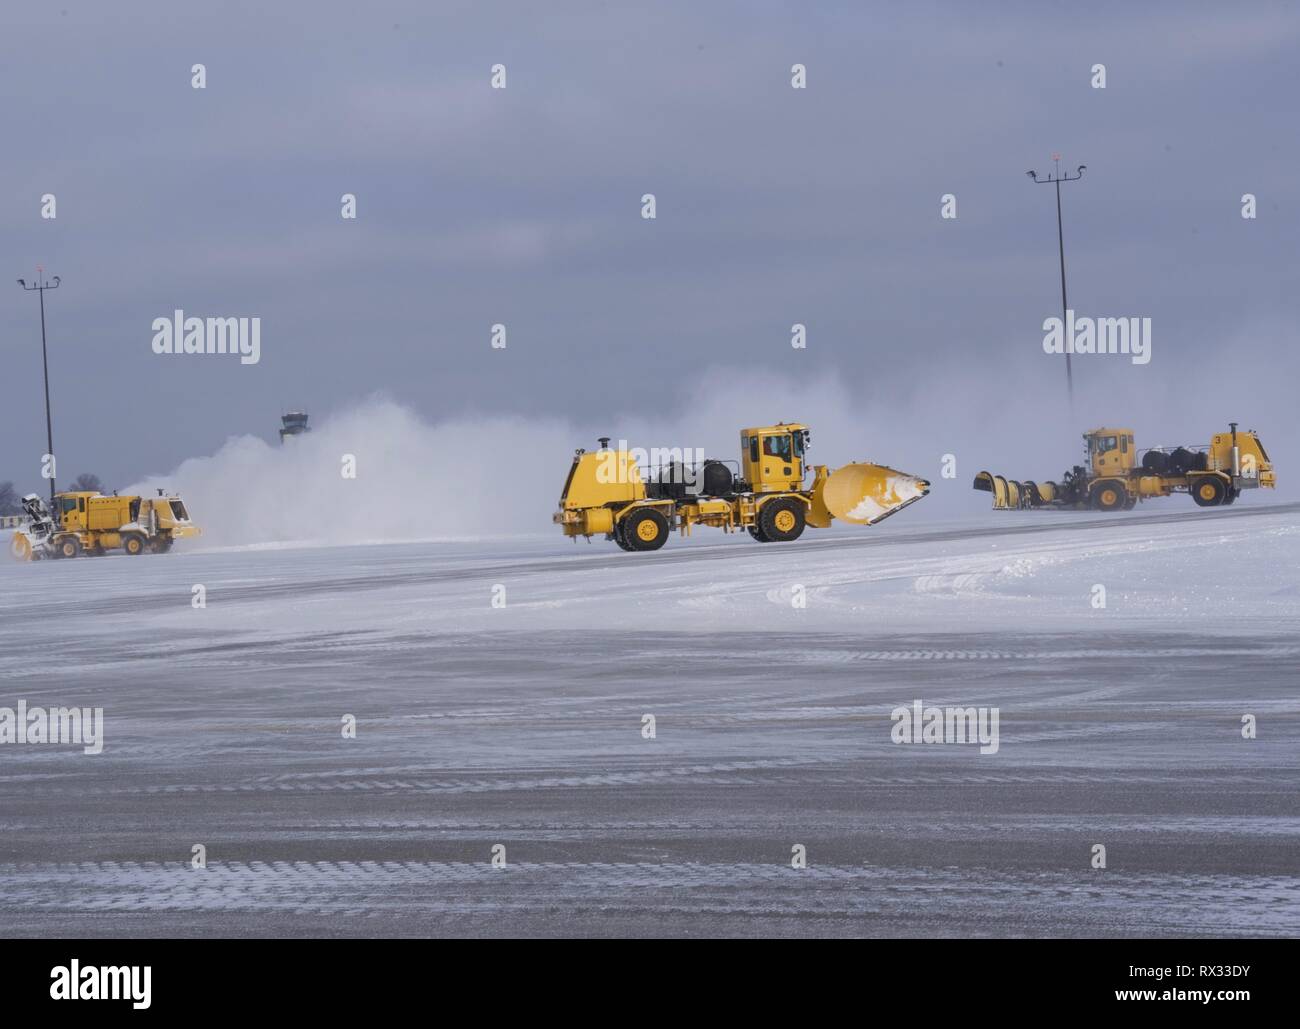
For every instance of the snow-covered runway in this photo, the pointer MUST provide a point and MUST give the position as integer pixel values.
(771, 673)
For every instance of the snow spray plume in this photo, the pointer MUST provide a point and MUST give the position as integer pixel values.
(413, 480)
(491, 475)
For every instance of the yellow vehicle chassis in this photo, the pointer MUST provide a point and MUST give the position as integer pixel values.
(607, 495)
(1118, 476)
(730, 514)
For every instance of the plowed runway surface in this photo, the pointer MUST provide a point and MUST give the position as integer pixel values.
(521, 726)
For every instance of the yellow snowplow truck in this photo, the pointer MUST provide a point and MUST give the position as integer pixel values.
(1118, 475)
(608, 494)
(90, 523)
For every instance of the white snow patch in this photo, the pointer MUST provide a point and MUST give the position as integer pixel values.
(899, 489)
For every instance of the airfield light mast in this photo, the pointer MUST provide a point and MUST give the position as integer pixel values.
(40, 286)
(1056, 178)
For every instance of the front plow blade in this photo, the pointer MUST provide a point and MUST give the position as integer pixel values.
(1005, 494)
(863, 494)
(20, 547)
(1008, 494)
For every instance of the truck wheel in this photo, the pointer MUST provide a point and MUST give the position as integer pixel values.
(133, 544)
(782, 520)
(1109, 495)
(617, 536)
(1208, 491)
(645, 529)
(757, 533)
(1231, 495)
(69, 547)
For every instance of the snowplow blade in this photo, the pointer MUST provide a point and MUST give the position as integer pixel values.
(20, 547)
(1008, 494)
(1047, 493)
(1001, 489)
(863, 494)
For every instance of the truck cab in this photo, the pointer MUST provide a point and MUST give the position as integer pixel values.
(773, 457)
(1110, 452)
(71, 510)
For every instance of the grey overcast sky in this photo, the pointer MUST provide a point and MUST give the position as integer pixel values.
(522, 206)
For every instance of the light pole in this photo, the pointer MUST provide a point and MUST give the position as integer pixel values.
(40, 286)
(1057, 178)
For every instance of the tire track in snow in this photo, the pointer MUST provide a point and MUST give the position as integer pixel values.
(1147, 902)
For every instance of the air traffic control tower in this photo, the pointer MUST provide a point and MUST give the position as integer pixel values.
(293, 424)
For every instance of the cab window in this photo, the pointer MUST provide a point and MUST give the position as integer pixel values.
(67, 504)
(777, 446)
(798, 444)
(1103, 444)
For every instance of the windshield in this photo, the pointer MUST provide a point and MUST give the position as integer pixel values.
(777, 446)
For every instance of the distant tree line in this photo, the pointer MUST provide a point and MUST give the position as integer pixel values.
(11, 499)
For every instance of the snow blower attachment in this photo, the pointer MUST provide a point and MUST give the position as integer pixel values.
(89, 523)
(607, 493)
(1116, 479)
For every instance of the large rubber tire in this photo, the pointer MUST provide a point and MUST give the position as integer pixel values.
(1208, 490)
(1109, 495)
(645, 529)
(69, 547)
(617, 534)
(133, 544)
(160, 545)
(782, 520)
(757, 533)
